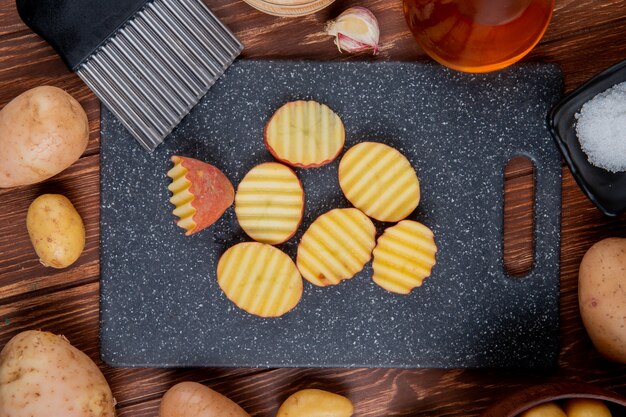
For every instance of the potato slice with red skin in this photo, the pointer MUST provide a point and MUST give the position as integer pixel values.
(404, 257)
(259, 279)
(269, 203)
(336, 246)
(200, 192)
(305, 134)
(380, 181)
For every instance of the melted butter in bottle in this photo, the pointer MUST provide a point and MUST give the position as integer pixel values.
(478, 35)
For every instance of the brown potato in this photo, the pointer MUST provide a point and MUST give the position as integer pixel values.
(42, 132)
(602, 297)
(190, 399)
(56, 230)
(43, 375)
(315, 403)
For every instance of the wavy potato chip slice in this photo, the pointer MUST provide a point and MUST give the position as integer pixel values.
(259, 279)
(380, 181)
(201, 193)
(305, 134)
(336, 246)
(269, 203)
(404, 257)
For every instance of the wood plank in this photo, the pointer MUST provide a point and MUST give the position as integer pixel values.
(21, 272)
(256, 28)
(585, 54)
(585, 37)
(26, 61)
(519, 195)
(74, 312)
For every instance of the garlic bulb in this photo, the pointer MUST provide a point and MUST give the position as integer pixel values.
(355, 30)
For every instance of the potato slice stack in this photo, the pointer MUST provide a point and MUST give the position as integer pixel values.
(376, 178)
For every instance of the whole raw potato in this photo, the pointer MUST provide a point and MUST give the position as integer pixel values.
(42, 131)
(42, 375)
(315, 403)
(190, 399)
(56, 230)
(602, 297)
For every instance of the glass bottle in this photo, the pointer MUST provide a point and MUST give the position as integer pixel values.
(478, 35)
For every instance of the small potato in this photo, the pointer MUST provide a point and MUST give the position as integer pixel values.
(43, 375)
(581, 407)
(602, 297)
(56, 230)
(42, 131)
(190, 399)
(544, 410)
(315, 403)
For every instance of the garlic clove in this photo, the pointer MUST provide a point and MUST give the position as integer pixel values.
(355, 30)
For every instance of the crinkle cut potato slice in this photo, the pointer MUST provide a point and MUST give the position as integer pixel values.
(380, 181)
(404, 257)
(201, 193)
(269, 203)
(259, 279)
(305, 134)
(336, 246)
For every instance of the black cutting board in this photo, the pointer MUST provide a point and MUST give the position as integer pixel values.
(160, 301)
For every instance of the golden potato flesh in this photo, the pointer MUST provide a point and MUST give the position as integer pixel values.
(269, 203)
(336, 246)
(259, 279)
(404, 256)
(380, 181)
(305, 134)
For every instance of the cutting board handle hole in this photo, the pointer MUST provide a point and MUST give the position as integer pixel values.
(519, 216)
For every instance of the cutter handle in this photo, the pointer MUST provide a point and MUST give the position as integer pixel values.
(76, 28)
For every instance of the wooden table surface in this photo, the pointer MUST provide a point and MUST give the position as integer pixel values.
(584, 37)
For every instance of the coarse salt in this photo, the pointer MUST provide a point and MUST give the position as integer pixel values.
(601, 129)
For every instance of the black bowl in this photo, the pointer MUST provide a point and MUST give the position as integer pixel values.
(605, 189)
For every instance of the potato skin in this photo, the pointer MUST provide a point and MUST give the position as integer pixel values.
(56, 230)
(213, 192)
(602, 297)
(42, 131)
(315, 403)
(582, 407)
(43, 375)
(191, 399)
